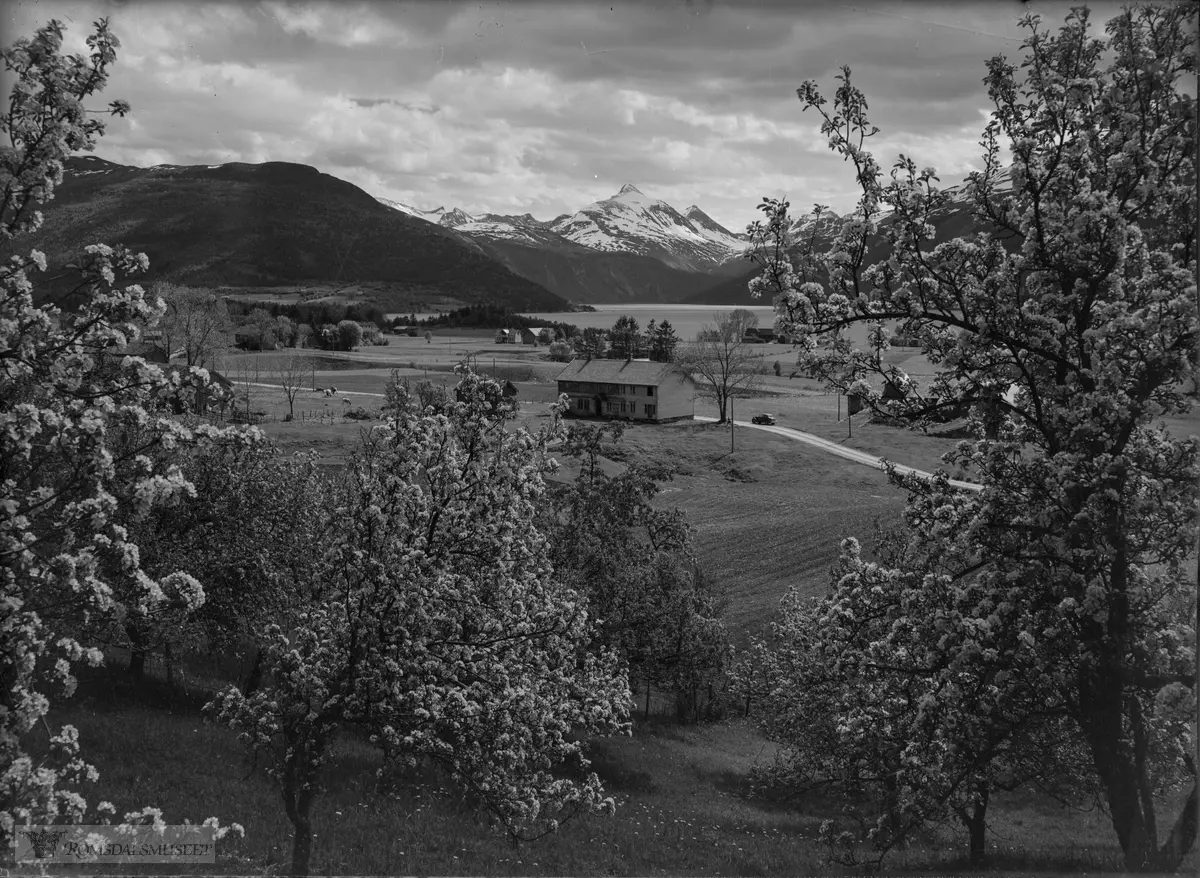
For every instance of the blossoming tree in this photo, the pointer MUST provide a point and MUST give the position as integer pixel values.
(77, 421)
(1069, 329)
(435, 620)
(635, 562)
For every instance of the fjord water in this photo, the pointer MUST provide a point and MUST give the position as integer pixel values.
(687, 319)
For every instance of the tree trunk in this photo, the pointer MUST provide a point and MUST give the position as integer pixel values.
(1102, 726)
(137, 653)
(1105, 703)
(1183, 835)
(975, 822)
(254, 678)
(298, 805)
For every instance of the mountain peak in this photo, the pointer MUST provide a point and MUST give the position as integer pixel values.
(629, 189)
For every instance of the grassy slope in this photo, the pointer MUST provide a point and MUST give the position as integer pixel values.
(684, 807)
(767, 516)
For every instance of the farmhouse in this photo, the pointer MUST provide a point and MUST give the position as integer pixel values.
(637, 390)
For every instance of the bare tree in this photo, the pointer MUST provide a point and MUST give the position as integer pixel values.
(743, 320)
(290, 371)
(245, 376)
(196, 322)
(721, 363)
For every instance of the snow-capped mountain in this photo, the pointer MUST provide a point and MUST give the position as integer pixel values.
(825, 224)
(525, 220)
(960, 196)
(709, 227)
(432, 216)
(631, 222)
(625, 248)
(520, 233)
(455, 218)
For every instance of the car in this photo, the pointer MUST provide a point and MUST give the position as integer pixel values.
(764, 418)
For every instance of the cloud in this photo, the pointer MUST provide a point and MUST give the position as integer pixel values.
(546, 106)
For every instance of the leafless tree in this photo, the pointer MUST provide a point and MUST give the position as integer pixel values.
(290, 372)
(196, 322)
(721, 363)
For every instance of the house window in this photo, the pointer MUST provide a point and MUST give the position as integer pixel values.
(650, 411)
(649, 391)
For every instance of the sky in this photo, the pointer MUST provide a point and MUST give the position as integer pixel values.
(545, 107)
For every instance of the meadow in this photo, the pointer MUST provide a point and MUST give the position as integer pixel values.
(684, 806)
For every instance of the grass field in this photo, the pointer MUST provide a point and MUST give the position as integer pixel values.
(767, 516)
(684, 807)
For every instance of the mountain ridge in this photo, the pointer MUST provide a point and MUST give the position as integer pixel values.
(254, 225)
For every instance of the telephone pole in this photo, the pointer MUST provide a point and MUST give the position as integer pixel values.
(731, 423)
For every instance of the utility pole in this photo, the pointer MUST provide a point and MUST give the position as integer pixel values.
(731, 423)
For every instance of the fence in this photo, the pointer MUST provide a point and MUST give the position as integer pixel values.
(319, 416)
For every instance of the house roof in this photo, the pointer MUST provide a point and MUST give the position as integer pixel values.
(147, 350)
(619, 371)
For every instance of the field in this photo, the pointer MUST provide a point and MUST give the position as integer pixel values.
(684, 807)
(767, 515)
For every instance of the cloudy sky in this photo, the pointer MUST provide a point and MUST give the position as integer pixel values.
(547, 106)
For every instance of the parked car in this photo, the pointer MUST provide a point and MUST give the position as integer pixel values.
(764, 418)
